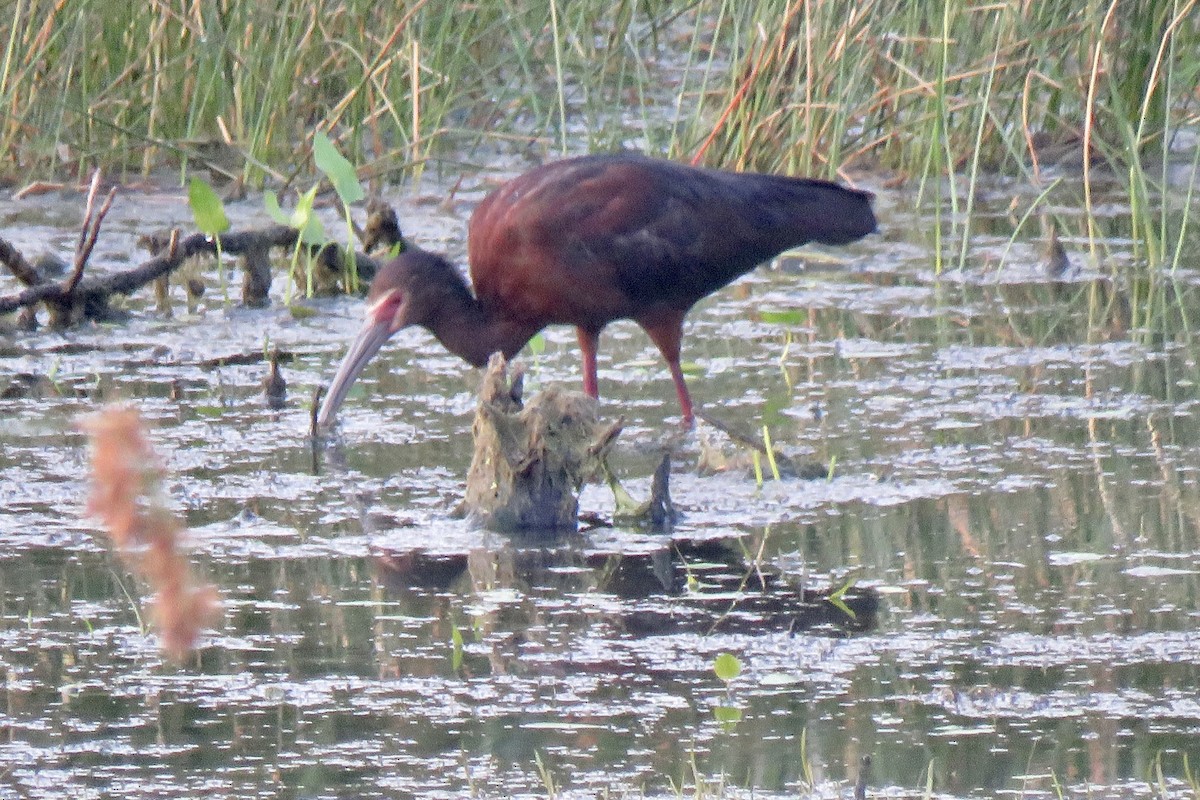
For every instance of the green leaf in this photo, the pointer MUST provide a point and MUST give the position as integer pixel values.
(727, 715)
(207, 209)
(302, 217)
(271, 203)
(301, 312)
(339, 170)
(313, 232)
(537, 345)
(625, 505)
(766, 433)
(456, 655)
(727, 666)
(790, 317)
(303, 210)
(304, 220)
(836, 598)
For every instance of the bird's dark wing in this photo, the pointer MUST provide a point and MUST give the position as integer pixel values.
(629, 232)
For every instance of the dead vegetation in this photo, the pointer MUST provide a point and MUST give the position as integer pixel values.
(147, 535)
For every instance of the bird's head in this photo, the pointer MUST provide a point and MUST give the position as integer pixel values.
(403, 293)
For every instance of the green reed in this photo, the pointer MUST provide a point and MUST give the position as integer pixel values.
(935, 94)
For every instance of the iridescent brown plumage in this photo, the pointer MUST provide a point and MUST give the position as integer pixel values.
(590, 240)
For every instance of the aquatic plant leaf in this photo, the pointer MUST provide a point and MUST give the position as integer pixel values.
(727, 715)
(790, 317)
(338, 169)
(727, 666)
(207, 209)
(304, 220)
(456, 653)
(537, 345)
(271, 204)
(836, 598)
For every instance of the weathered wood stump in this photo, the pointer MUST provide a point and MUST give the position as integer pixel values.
(532, 459)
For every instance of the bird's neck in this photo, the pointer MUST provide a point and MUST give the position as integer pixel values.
(470, 331)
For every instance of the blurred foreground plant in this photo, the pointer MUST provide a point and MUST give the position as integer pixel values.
(126, 497)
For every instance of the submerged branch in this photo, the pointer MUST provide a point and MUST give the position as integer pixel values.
(88, 296)
(89, 232)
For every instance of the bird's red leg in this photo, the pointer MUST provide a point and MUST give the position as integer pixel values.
(685, 400)
(588, 340)
(666, 331)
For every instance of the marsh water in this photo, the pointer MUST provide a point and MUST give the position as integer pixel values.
(1012, 457)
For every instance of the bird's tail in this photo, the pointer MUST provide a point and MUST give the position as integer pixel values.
(803, 210)
(829, 213)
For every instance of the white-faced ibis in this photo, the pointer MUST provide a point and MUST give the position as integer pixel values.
(594, 239)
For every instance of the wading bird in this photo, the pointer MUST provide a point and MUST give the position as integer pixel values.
(594, 239)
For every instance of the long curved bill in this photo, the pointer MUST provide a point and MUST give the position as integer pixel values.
(366, 344)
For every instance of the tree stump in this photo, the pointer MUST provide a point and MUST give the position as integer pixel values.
(532, 459)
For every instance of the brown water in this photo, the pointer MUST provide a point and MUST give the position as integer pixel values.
(1014, 463)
